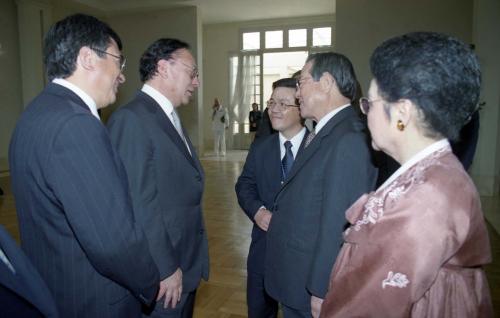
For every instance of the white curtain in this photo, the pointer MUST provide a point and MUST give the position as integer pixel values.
(242, 96)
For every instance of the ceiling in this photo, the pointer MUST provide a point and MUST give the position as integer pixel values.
(219, 11)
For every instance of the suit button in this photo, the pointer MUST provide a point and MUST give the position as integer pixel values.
(201, 231)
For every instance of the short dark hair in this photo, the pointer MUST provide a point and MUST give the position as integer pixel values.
(339, 67)
(161, 49)
(437, 72)
(66, 37)
(285, 82)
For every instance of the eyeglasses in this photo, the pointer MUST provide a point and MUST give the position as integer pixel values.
(194, 70)
(279, 106)
(301, 81)
(120, 58)
(365, 104)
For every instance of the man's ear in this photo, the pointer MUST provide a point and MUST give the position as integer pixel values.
(163, 68)
(327, 81)
(86, 58)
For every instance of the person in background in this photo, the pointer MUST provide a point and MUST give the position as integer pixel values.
(416, 246)
(72, 197)
(254, 118)
(220, 122)
(269, 161)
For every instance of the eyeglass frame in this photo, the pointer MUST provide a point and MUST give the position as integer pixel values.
(194, 69)
(282, 107)
(298, 84)
(122, 59)
(365, 107)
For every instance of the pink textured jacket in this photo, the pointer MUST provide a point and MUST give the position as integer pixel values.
(415, 248)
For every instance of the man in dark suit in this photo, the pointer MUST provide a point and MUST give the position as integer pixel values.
(72, 197)
(264, 171)
(332, 171)
(166, 177)
(23, 293)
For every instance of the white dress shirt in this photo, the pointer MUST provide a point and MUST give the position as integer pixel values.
(322, 122)
(78, 91)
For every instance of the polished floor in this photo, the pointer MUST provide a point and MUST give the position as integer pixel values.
(223, 296)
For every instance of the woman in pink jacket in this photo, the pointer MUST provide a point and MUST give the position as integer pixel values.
(416, 246)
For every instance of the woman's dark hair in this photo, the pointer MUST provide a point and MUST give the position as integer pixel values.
(161, 49)
(437, 72)
(339, 67)
(65, 38)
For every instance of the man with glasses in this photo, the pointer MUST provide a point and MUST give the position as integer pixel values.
(165, 175)
(332, 171)
(72, 196)
(267, 166)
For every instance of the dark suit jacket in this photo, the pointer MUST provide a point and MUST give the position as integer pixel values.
(166, 186)
(257, 186)
(75, 215)
(23, 294)
(305, 233)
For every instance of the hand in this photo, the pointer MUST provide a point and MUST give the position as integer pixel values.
(263, 218)
(316, 306)
(171, 288)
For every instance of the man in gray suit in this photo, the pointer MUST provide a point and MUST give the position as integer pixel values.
(72, 197)
(165, 175)
(333, 170)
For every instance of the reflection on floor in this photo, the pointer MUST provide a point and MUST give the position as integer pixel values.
(229, 238)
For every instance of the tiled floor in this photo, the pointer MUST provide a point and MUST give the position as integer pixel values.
(229, 237)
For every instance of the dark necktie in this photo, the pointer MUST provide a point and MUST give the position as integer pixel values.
(287, 161)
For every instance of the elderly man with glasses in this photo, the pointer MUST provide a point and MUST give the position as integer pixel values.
(332, 171)
(165, 175)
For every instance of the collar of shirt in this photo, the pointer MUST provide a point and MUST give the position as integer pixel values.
(296, 141)
(164, 103)
(322, 122)
(415, 159)
(78, 91)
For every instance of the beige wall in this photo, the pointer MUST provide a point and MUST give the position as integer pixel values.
(486, 167)
(10, 77)
(219, 42)
(137, 31)
(363, 24)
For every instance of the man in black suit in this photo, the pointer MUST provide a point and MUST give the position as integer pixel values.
(72, 197)
(264, 171)
(23, 293)
(332, 171)
(166, 177)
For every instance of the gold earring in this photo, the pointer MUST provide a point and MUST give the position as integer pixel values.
(400, 125)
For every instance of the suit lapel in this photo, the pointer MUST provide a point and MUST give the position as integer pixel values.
(273, 166)
(307, 152)
(167, 126)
